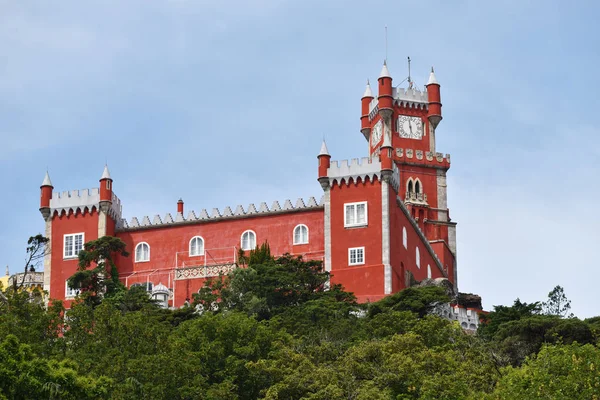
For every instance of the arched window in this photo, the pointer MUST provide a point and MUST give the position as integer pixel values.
(197, 246)
(418, 258)
(248, 240)
(142, 252)
(428, 271)
(404, 237)
(409, 186)
(301, 234)
(417, 186)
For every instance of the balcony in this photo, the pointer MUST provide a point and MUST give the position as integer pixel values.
(415, 198)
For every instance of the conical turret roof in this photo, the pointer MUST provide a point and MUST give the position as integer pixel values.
(47, 181)
(105, 173)
(385, 73)
(432, 78)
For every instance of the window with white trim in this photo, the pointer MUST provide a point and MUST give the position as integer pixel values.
(142, 252)
(404, 237)
(301, 234)
(355, 214)
(73, 245)
(70, 292)
(197, 246)
(248, 240)
(356, 256)
(418, 258)
(428, 271)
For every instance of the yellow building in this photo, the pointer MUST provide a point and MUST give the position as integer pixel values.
(4, 279)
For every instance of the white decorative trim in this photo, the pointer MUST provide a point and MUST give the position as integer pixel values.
(404, 238)
(294, 234)
(385, 237)
(418, 257)
(326, 201)
(136, 252)
(48, 255)
(216, 214)
(346, 172)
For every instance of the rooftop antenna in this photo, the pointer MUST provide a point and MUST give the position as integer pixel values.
(410, 82)
(386, 44)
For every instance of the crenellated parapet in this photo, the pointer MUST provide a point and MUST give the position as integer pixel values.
(430, 158)
(217, 215)
(350, 171)
(84, 200)
(411, 98)
(408, 98)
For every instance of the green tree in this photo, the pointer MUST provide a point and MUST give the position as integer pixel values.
(557, 372)
(558, 304)
(24, 375)
(421, 301)
(503, 314)
(97, 274)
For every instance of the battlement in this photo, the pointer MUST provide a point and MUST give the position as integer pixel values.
(82, 200)
(410, 97)
(216, 214)
(423, 157)
(346, 171)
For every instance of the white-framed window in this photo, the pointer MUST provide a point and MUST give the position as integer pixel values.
(418, 258)
(73, 245)
(355, 214)
(428, 271)
(248, 240)
(356, 256)
(469, 313)
(197, 246)
(142, 252)
(404, 238)
(301, 234)
(70, 292)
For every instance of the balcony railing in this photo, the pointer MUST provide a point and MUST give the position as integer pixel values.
(412, 197)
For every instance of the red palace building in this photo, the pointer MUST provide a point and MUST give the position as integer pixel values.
(383, 220)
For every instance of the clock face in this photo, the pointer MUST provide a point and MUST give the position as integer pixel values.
(410, 127)
(377, 133)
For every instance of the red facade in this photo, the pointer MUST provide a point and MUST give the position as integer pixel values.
(383, 221)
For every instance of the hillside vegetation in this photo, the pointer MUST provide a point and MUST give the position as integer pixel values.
(275, 330)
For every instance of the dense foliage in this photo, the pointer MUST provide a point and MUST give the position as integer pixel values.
(277, 330)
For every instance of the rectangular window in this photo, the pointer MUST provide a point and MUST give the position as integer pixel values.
(355, 214)
(356, 256)
(73, 245)
(70, 292)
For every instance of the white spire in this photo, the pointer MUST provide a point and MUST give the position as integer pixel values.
(384, 71)
(368, 92)
(432, 78)
(324, 151)
(47, 181)
(105, 173)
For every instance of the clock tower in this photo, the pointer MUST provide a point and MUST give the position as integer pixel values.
(407, 119)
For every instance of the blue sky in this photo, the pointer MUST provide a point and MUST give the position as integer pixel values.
(227, 102)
